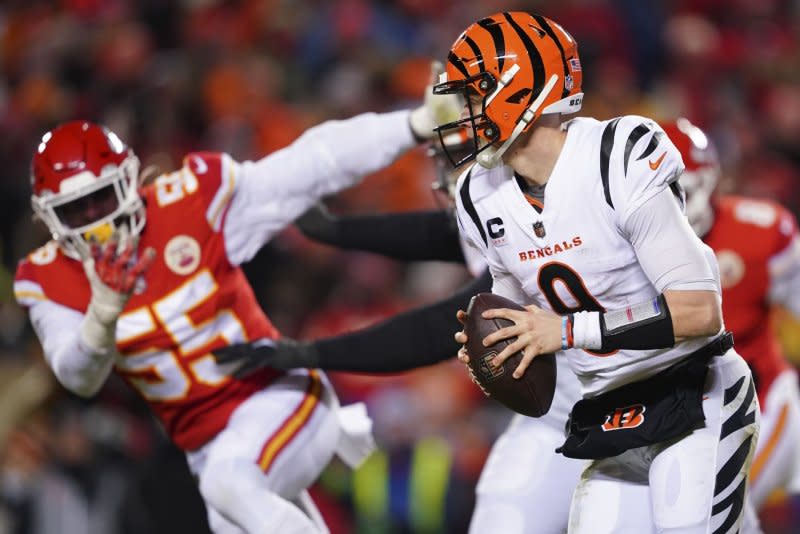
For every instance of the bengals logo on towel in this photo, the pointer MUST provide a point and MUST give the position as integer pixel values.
(624, 418)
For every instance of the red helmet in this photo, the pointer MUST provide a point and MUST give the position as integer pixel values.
(520, 66)
(702, 173)
(84, 181)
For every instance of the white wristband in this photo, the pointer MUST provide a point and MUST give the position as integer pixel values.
(97, 335)
(586, 330)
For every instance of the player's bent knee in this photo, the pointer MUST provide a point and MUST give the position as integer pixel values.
(238, 491)
(217, 489)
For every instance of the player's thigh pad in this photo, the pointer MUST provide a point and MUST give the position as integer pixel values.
(698, 483)
(613, 496)
(288, 431)
(525, 486)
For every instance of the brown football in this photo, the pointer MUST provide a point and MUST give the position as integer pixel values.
(532, 393)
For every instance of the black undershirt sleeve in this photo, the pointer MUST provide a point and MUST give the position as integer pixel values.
(418, 337)
(412, 236)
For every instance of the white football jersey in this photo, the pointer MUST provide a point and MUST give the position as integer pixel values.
(574, 250)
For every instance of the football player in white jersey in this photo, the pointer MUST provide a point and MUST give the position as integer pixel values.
(525, 486)
(582, 222)
(147, 281)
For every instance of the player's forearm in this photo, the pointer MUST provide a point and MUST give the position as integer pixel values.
(333, 155)
(274, 191)
(694, 313)
(78, 367)
(416, 338)
(414, 236)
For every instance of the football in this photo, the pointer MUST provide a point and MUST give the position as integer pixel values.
(532, 393)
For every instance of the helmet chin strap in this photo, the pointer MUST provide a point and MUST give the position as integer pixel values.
(491, 157)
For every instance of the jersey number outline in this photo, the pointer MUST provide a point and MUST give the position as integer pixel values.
(164, 375)
(173, 187)
(549, 273)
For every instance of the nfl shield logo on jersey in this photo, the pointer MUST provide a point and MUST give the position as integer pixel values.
(538, 229)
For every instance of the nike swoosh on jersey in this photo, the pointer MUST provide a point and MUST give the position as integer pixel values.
(201, 167)
(657, 163)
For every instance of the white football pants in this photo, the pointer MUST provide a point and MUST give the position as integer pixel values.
(697, 484)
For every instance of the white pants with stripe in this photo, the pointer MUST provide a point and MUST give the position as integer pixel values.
(254, 473)
(776, 463)
(697, 484)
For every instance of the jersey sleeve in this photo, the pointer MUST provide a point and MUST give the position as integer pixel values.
(669, 252)
(638, 161)
(27, 289)
(58, 327)
(474, 240)
(270, 193)
(784, 265)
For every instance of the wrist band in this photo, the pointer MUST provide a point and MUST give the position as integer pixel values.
(586, 330)
(643, 326)
(567, 340)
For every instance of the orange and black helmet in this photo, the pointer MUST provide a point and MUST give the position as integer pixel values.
(520, 66)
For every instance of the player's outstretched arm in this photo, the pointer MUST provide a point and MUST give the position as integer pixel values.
(272, 192)
(412, 339)
(411, 236)
(81, 348)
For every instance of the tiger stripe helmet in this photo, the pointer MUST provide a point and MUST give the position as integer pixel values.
(520, 66)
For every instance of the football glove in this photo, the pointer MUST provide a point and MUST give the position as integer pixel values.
(281, 353)
(112, 271)
(318, 223)
(435, 110)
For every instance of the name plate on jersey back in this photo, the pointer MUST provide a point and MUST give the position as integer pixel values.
(532, 393)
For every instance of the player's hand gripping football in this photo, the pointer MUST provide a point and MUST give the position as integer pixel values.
(436, 109)
(112, 270)
(537, 331)
(463, 356)
(281, 353)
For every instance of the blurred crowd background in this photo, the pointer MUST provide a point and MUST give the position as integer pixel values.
(248, 76)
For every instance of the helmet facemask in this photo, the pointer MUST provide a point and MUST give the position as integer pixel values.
(454, 146)
(699, 186)
(92, 209)
(699, 180)
(481, 131)
(511, 68)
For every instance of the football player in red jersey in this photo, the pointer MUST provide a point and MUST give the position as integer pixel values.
(758, 250)
(147, 282)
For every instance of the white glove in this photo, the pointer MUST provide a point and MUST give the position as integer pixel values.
(112, 276)
(436, 109)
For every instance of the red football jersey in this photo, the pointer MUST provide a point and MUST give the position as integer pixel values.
(194, 300)
(746, 235)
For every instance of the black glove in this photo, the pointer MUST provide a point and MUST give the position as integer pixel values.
(282, 353)
(319, 224)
